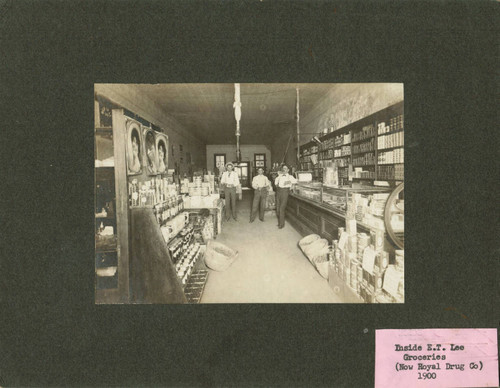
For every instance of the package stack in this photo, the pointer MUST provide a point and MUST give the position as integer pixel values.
(185, 186)
(208, 231)
(361, 262)
(393, 286)
(368, 210)
(174, 226)
(209, 181)
(201, 193)
(374, 262)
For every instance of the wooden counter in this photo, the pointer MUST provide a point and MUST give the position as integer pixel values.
(310, 217)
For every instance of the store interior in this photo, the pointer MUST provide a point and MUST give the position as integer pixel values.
(161, 199)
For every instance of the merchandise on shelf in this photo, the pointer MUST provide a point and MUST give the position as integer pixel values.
(364, 159)
(364, 147)
(365, 133)
(186, 262)
(364, 272)
(391, 157)
(180, 244)
(391, 172)
(390, 140)
(173, 226)
(395, 124)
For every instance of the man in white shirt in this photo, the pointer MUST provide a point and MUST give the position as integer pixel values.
(261, 185)
(230, 181)
(283, 183)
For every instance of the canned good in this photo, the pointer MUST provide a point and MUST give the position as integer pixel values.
(354, 268)
(350, 258)
(352, 244)
(377, 239)
(354, 282)
(340, 231)
(382, 260)
(400, 260)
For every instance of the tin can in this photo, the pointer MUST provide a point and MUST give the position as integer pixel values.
(354, 268)
(400, 260)
(352, 244)
(340, 231)
(354, 282)
(377, 239)
(383, 260)
(351, 257)
(338, 255)
(335, 244)
(360, 272)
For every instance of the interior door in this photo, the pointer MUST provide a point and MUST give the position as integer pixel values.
(243, 170)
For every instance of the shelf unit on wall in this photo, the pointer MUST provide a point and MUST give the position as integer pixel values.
(375, 143)
(111, 220)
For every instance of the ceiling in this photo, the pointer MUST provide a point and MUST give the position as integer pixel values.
(206, 110)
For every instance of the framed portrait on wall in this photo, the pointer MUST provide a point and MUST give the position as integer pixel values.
(134, 150)
(161, 152)
(150, 157)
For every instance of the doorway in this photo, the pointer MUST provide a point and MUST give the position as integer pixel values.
(243, 170)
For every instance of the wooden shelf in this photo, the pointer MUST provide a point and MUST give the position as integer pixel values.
(104, 129)
(390, 148)
(365, 179)
(363, 165)
(390, 133)
(363, 152)
(107, 250)
(362, 140)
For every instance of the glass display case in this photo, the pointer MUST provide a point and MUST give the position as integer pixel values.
(365, 204)
(309, 190)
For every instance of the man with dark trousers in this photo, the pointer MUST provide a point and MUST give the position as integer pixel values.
(261, 185)
(283, 183)
(230, 181)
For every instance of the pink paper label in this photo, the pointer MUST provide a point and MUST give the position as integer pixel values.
(436, 358)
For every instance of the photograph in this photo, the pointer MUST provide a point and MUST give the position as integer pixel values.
(162, 152)
(150, 159)
(320, 165)
(134, 164)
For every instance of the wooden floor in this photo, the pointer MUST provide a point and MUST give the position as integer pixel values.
(270, 267)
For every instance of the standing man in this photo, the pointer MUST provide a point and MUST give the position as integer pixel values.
(261, 185)
(283, 183)
(230, 181)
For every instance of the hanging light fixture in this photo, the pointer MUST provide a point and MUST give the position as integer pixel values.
(237, 115)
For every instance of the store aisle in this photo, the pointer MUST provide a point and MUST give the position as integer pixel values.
(270, 267)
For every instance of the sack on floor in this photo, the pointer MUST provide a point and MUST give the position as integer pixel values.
(308, 240)
(323, 269)
(219, 257)
(314, 249)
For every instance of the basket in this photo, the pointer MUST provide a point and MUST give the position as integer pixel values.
(219, 257)
(323, 269)
(315, 248)
(308, 240)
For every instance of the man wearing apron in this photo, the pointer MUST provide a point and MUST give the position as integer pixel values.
(230, 181)
(283, 183)
(261, 185)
